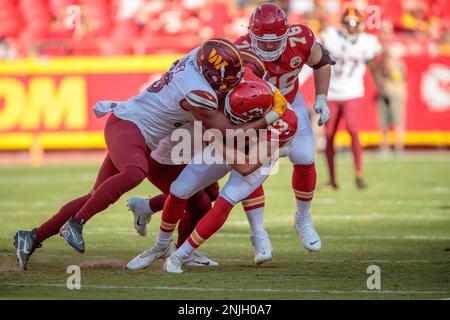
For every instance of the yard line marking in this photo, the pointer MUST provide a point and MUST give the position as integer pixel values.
(268, 290)
(251, 261)
(355, 237)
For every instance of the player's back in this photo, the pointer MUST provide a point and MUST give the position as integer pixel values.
(157, 110)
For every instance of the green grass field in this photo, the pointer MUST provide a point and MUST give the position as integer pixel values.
(401, 223)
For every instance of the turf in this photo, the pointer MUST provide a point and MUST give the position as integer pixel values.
(400, 223)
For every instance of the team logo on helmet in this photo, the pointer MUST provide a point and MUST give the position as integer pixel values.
(216, 60)
(296, 61)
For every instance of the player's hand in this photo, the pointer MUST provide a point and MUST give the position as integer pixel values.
(321, 106)
(279, 103)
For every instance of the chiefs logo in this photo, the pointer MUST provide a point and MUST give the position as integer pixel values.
(216, 59)
(296, 61)
(435, 87)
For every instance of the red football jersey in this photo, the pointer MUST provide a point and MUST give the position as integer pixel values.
(283, 129)
(283, 73)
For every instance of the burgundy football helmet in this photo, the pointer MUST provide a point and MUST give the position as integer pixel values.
(221, 64)
(268, 31)
(254, 63)
(248, 101)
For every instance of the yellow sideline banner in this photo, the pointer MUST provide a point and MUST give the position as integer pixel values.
(47, 102)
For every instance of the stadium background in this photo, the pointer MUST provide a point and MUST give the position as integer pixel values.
(58, 57)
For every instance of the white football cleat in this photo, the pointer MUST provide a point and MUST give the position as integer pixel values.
(197, 259)
(173, 264)
(141, 212)
(263, 247)
(144, 259)
(306, 232)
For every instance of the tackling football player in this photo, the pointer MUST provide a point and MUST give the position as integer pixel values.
(187, 92)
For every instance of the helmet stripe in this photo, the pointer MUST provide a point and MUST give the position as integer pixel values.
(231, 47)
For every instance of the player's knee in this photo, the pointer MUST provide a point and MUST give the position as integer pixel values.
(181, 189)
(302, 155)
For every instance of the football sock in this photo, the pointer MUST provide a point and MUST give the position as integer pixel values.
(254, 209)
(156, 203)
(172, 213)
(52, 226)
(304, 184)
(207, 226)
(197, 206)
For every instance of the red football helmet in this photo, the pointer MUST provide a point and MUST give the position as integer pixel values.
(254, 63)
(249, 100)
(268, 31)
(220, 63)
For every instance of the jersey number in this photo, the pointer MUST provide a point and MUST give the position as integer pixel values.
(286, 81)
(279, 126)
(348, 65)
(296, 30)
(158, 85)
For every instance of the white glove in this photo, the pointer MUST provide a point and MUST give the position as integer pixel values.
(321, 106)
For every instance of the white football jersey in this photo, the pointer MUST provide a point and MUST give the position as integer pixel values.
(156, 111)
(347, 76)
(171, 149)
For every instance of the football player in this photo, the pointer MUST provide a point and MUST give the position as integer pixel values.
(187, 92)
(285, 49)
(352, 49)
(143, 209)
(248, 100)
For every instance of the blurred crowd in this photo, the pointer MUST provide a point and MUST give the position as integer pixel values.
(116, 27)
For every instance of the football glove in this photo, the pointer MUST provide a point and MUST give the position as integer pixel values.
(321, 106)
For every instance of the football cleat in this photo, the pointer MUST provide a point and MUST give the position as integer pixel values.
(197, 259)
(306, 232)
(141, 212)
(173, 264)
(25, 242)
(360, 183)
(72, 232)
(263, 248)
(144, 259)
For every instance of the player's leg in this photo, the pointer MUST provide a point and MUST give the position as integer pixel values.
(330, 132)
(254, 210)
(350, 112)
(130, 155)
(192, 179)
(302, 156)
(33, 239)
(237, 188)
(161, 176)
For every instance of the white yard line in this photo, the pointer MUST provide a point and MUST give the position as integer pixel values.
(251, 261)
(262, 290)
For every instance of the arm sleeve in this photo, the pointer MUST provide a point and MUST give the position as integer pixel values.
(202, 99)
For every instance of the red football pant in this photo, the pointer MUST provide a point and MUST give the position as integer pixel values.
(349, 110)
(124, 168)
